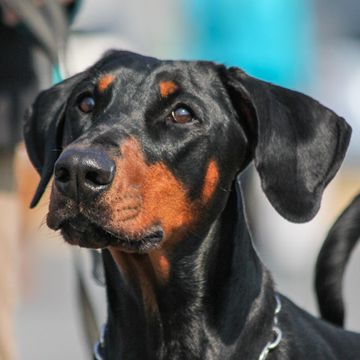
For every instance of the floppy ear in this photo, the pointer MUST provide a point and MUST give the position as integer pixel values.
(298, 143)
(43, 127)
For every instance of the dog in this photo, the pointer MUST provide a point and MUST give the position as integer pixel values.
(146, 156)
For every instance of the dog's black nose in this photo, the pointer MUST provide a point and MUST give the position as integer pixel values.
(83, 172)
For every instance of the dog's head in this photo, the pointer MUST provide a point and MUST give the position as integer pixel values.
(143, 150)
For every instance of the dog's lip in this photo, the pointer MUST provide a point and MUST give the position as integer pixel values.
(144, 243)
(141, 243)
(79, 224)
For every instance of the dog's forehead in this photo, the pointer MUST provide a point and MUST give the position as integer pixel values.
(114, 61)
(130, 68)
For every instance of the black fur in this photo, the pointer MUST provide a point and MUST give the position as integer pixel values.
(332, 262)
(218, 301)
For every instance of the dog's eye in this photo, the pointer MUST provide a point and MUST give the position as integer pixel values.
(86, 104)
(181, 115)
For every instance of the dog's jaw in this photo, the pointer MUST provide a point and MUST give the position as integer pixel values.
(82, 231)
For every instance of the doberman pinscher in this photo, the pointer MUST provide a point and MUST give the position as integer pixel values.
(146, 155)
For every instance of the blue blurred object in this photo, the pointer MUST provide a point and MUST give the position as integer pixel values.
(56, 74)
(270, 39)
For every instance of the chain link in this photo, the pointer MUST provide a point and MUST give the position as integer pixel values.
(271, 345)
(98, 348)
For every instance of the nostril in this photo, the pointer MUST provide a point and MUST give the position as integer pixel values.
(93, 177)
(102, 175)
(62, 174)
(96, 178)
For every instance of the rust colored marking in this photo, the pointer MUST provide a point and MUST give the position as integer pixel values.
(210, 181)
(104, 82)
(167, 88)
(143, 195)
(144, 270)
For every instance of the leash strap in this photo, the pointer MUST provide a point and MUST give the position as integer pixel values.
(271, 345)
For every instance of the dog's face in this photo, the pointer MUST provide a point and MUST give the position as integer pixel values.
(145, 151)
(141, 164)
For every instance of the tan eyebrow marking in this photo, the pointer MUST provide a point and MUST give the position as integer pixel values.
(167, 88)
(104, 82)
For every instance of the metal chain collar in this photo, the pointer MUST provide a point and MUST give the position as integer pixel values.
(271, 345)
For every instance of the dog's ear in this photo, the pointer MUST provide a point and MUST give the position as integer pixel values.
(43, 127)
(298, 144)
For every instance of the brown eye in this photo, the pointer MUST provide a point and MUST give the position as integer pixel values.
(86, 104)
(181, 115)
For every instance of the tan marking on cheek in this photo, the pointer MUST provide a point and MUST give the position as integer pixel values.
(157, 197)
(165, 200)
(210, 181)
(167, 88)
(104, 82)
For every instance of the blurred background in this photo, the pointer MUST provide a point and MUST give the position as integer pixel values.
(310, 46)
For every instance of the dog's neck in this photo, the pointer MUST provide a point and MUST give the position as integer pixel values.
(202, 311)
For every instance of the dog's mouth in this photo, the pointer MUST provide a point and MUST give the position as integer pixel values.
(83, 232)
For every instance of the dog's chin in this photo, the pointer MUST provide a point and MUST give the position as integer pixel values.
(82, 232)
